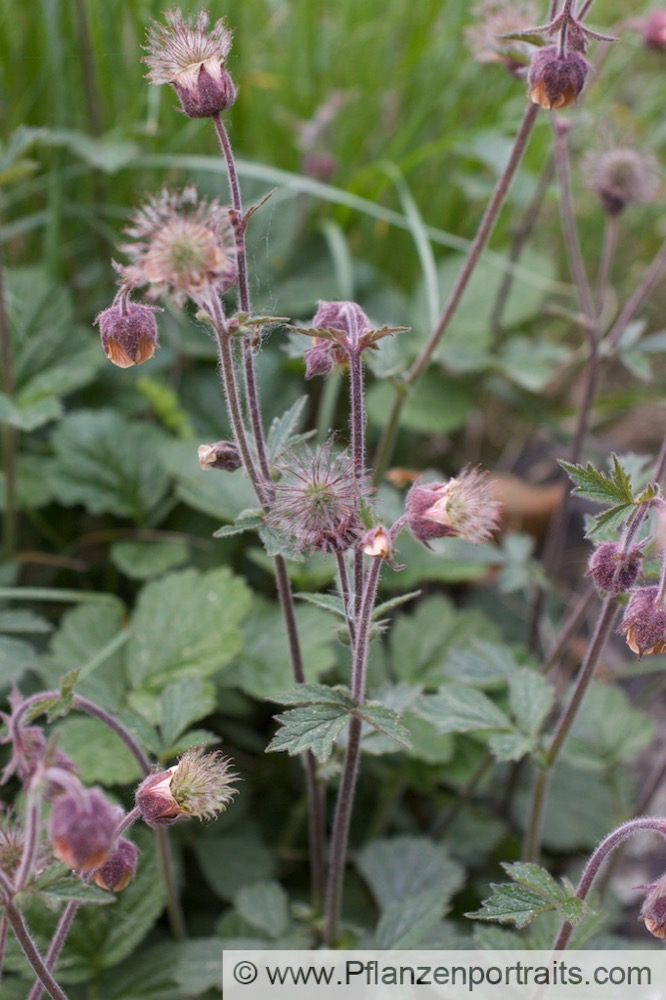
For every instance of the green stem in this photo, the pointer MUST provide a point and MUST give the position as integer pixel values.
(483, 234)
(9, 434)
(603, 628)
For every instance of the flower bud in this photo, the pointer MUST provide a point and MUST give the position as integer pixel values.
(555, 80)
(321, 358)
(82, 828)
(118, 870)
(346, 318)
(464, 507)
(653, 29)
(198, 786)
(644, 623)
(128, 332)
(222, 455)
(653, 910)
(613, 570)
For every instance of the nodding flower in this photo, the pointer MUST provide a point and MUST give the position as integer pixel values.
(199, 786)
(464, 507)
(192, 59)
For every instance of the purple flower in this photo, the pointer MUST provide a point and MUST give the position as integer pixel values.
(82, 827)
(118, 870)
(199, 786)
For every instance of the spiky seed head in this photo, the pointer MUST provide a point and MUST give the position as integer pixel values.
(82, 827)
(185, 54)
(613, 570)
(183, 246)
(222, 455)
(128, 332)
(464, 507)
(621, 177)
(556, 81)
(318, 498)
(644, 623)
(119, 869)
(199, 786)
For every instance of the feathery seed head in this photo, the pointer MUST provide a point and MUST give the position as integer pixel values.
(189, 57)
(464, 507)
(183, 246)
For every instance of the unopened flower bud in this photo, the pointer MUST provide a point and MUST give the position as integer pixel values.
(345, 317)
(128, 332)
(555, 80)
(118, 870)
(653, 29)
(220, 455)
(321, 358)
(82, 828)
(200, 786)
(644, 623)
(653, 910)
(613, 570)
(464, 507)
(377, 542)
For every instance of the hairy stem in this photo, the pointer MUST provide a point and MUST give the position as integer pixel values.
(174, 908)
(90, 708)
(33, 814)
(477, 247)
(347, 789)
(603, 628)
(347, 597)
(251, 388)
(3, 942)
(448, 817)
(30, 951)
(607, 259)
(57, 941)
(521, 236)
(606, 847)
(316, 821)
(634, 302)
(569, 227)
